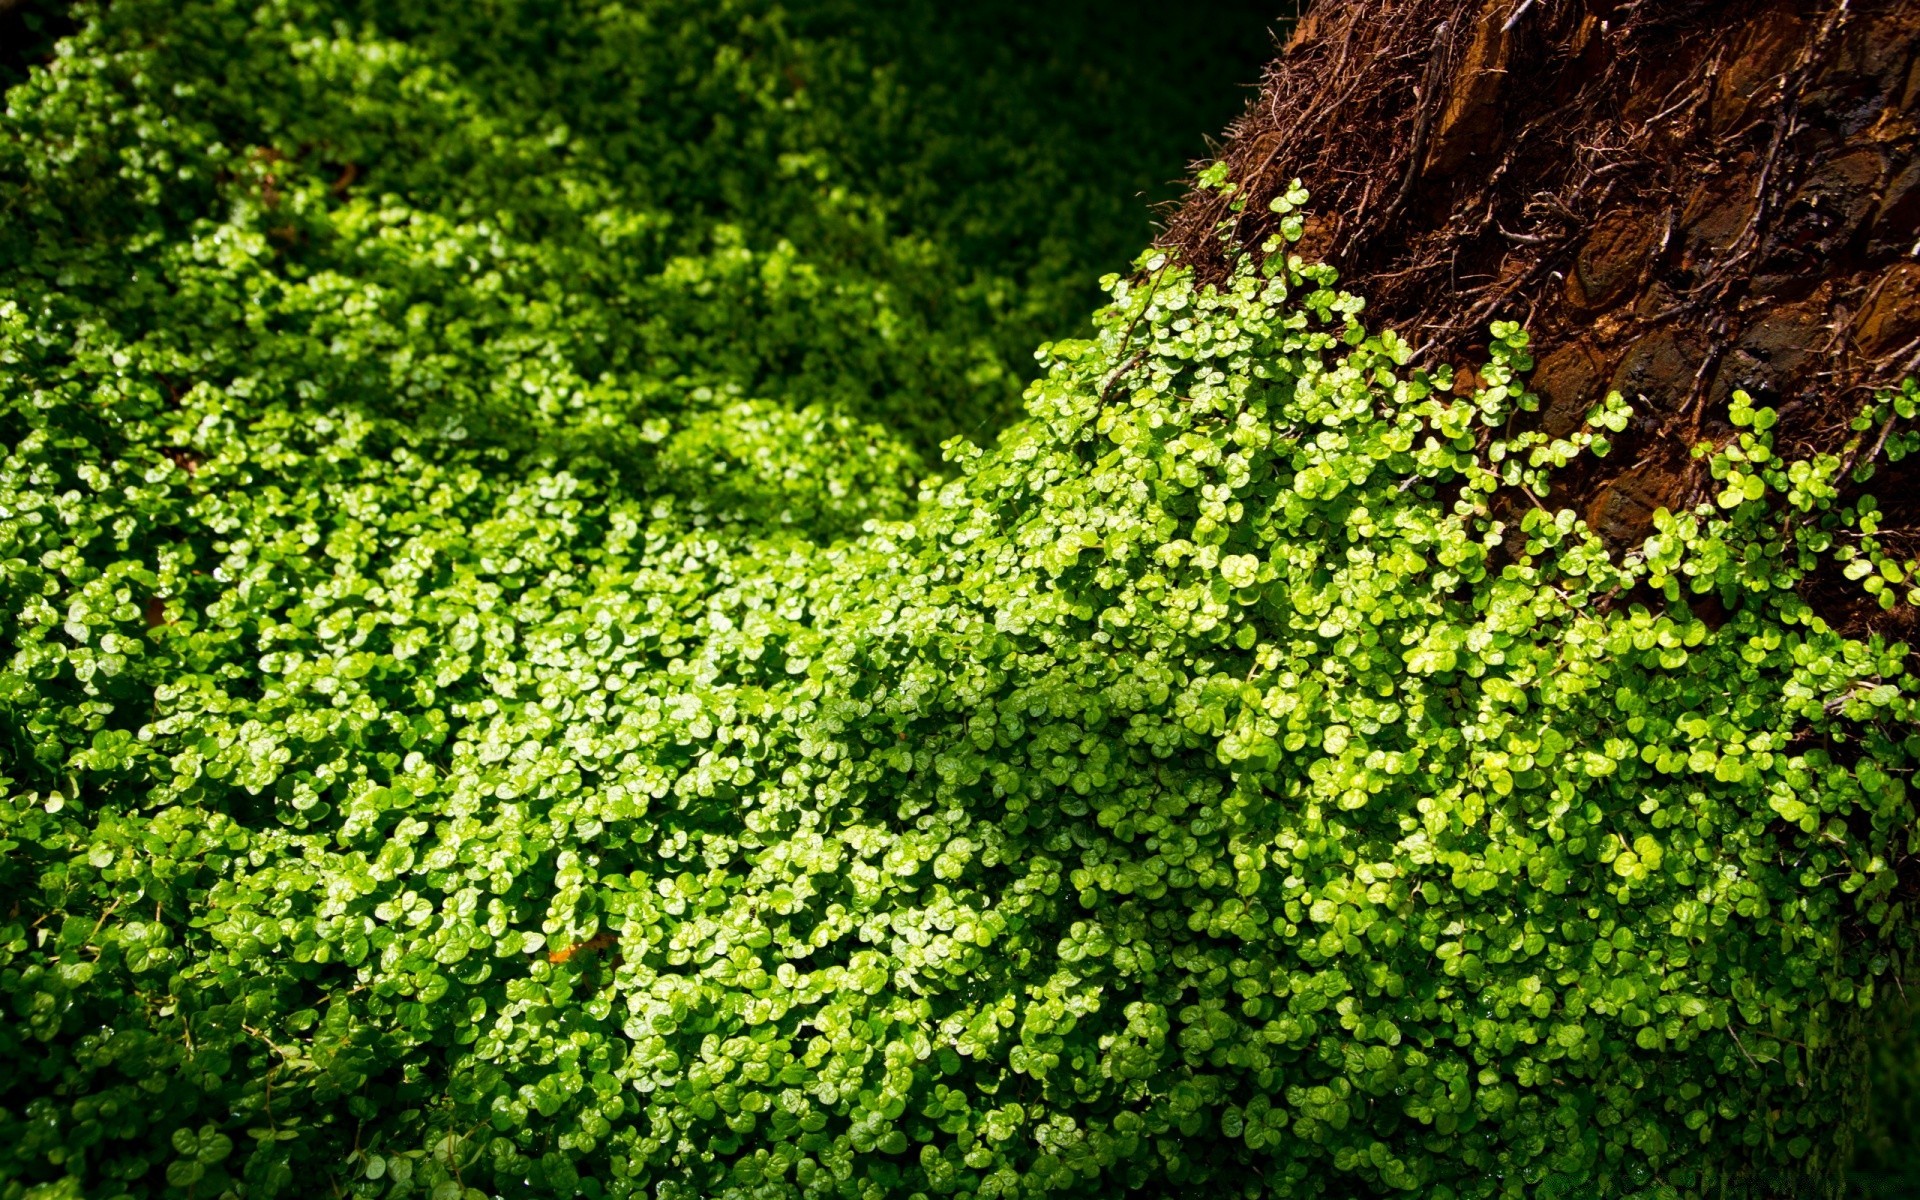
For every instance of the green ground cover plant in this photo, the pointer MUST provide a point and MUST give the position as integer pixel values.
(501, 701)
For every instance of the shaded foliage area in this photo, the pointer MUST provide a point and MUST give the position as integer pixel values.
(28, 31)
(498, 703)
(1886, 1163)
(881, 216)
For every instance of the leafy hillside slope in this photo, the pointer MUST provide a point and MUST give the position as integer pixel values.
(494, 710)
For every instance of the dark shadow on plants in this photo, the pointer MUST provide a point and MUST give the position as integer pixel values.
(1103, 105)
(1886, 1159)
(943, 182)
(28, 31)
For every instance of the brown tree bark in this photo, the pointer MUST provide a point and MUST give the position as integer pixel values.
(1677, 197)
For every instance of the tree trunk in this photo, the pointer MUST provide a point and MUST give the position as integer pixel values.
(1677, 198)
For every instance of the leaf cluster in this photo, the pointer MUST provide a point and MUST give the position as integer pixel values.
(452, 754)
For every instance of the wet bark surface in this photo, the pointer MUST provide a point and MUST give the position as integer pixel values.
(1678, 198)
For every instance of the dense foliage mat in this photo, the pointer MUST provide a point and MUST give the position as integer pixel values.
(552, 219)
(490, 713)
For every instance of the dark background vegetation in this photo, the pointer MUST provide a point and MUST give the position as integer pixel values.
(1090, 91)
(27, 33)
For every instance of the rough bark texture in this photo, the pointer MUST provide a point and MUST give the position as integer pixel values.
(1677, 197)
